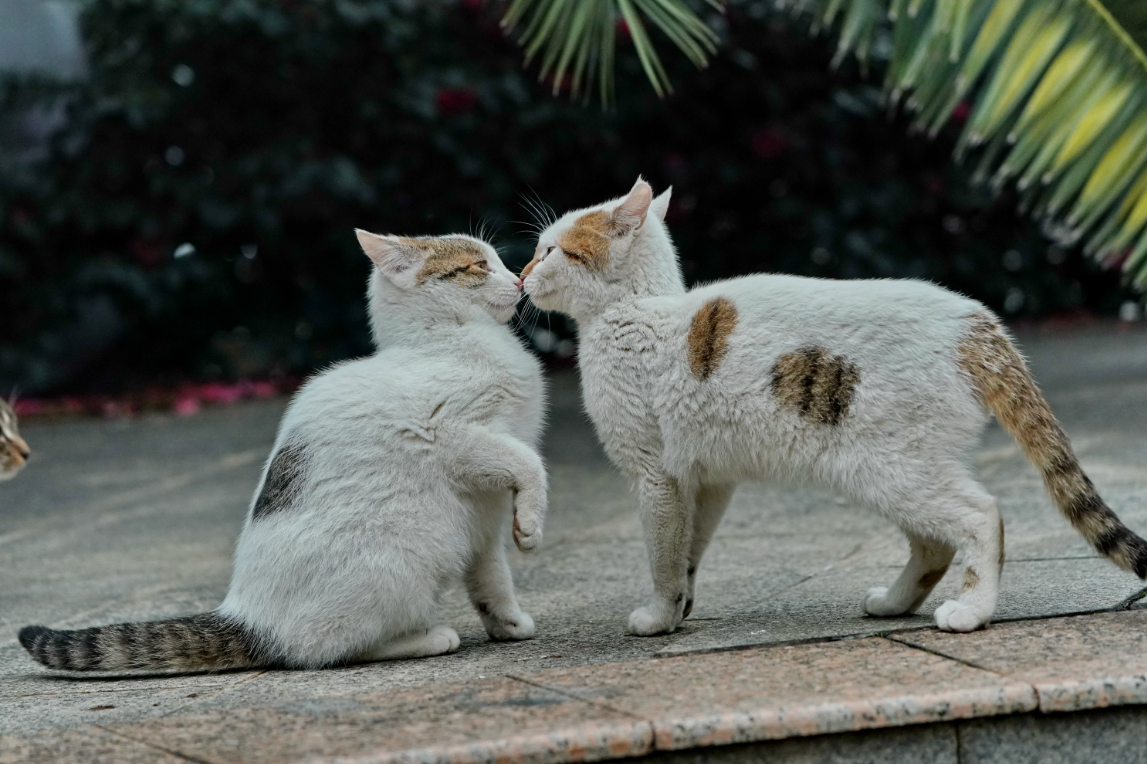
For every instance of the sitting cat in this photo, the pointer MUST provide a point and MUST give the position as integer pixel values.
(14, 452)
(879, 389)
(391, 478)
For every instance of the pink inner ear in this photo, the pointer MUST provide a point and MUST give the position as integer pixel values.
(631, 212)
(387, 253)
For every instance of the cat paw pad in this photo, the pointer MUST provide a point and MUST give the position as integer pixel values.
(442, 640)
(877, 603)
(647, 621)
(959, 616)
(515, 626)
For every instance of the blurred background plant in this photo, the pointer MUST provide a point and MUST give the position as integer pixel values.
(182, 209)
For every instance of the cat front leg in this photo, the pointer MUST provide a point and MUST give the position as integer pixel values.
(485, 460)
(488, 578)
(666, 518)
(712, 501)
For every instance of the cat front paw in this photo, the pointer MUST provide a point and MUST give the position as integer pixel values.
(651, 619)
(509, 627)
(877, 603)
(954, 615)
(527, 535)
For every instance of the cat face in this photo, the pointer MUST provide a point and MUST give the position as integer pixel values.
(14, 451)
(586, 251)
(449, 272)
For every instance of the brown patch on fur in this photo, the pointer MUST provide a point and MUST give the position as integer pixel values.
(529, 267)
(449, 258)
(931, 578)
(816, 382)
(587, 241)
(971, 580)
(708, 338)
(1002, 380)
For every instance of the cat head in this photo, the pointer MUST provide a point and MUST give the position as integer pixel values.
(425, 276)
(589, 256)
(14, 451)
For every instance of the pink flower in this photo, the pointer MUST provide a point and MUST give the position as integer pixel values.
(455, 100)
(29, 406)
(219, 393)
(186, 406)
(768, 143)
(960, 113)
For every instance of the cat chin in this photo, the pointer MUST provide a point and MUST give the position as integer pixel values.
(8, 474)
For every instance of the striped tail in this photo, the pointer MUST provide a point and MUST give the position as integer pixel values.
(1004, 383)
(203, 642)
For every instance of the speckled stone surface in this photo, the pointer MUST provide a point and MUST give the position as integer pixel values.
(493, 720)
(136, 519)
(84, 745)
(1077, 663)
(751, 695)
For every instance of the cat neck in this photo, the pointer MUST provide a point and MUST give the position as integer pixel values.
(653, 272)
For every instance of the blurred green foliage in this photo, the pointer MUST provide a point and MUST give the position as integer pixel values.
(259, 133)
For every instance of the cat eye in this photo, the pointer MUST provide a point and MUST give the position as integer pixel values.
(575, 257)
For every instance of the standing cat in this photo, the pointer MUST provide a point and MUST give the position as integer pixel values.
(879, 389)
(14, 452)
(391, 478)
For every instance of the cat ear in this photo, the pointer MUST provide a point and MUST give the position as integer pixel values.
(630, 214)
(388, 253)
(660, 205)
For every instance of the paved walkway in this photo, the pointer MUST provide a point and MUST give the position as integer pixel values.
(129, 520)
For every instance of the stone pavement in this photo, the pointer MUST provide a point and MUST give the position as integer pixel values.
(134, 519)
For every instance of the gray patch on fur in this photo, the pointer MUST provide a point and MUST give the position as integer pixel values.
(284, 482)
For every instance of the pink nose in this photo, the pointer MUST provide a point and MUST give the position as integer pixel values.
(519, 283)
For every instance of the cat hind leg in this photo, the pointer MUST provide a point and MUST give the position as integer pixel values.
(928, 564)
(438, 640)
(983, 551)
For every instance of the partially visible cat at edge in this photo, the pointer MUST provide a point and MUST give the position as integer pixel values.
(879, 389)
(14, 452)
(391, 478)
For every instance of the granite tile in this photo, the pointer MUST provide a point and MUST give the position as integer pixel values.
(751, 695)
(494, 720)
(83, 745)
(933, 743)
(1083, 662)
(1117, 736)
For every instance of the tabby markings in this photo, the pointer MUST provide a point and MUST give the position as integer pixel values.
(708, 339)
(931, 578)
(458, 260)
(284, 481)
(817, 383)
(971, 580)
(1002, 380)
(587, 241)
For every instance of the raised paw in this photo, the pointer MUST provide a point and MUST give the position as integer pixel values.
(878, 603)
(650, 620)
(527, 539)
(512, 626)
(959, 616)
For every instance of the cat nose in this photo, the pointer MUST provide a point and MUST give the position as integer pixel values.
(519, 283)
(22, 447)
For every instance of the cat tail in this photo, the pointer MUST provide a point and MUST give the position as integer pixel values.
(1001, 377)
(204, 642)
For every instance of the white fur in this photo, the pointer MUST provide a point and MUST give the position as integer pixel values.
(686, 443)
(416, 457)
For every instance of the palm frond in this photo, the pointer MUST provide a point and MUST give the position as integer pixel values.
(1055, 91)
(1056, 97)
(577, 39)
